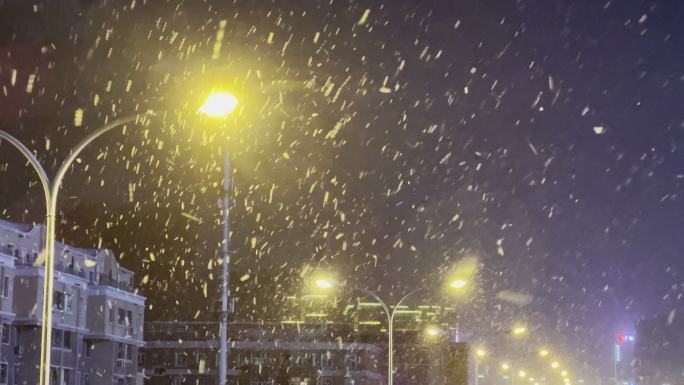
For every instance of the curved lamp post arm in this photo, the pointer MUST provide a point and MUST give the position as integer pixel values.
(410, 293)
(378, 299)
(79, 147)
(44, 180)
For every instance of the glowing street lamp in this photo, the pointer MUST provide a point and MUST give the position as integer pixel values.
(480, 353)
(505, 366)
(324, 283)
(564, 373)
(219, 105)
(555, 365)
(328, 283)
(522, 373)
(543, 352)
(519, 330)
(433, 331)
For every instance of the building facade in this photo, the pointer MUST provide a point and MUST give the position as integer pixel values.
(308, 348)
(97, 317)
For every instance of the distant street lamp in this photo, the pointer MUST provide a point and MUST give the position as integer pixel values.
(51, 191)
(519, 330)
(433, 331)
(219, 105)
(480, 354)
(327, 283)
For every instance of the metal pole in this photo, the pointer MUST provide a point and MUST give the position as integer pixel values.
(225, 282)
(390, 329)
(390, 350)
(44, 372)
(616, 350)
(477, 372)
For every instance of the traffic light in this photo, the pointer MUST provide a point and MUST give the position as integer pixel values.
(622, 338)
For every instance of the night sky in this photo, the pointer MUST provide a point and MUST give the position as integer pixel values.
(385, 141)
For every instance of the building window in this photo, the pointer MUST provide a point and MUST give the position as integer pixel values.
(123, 352)
(62, 302)
(326, 360)
(5, 334)
(181, 360)
(56, 338)
(67, 340)
(5, 287)
(88, 348)
(59, 376)
(121, 316)
(141, 359)
(350, 361)
(3, 372)
(15, 375)
(61, 339)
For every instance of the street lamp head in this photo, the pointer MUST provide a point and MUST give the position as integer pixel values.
(480, 353)
(324, 283)
(505, 366)
(543, 352)
(519, 330)
(433, 331)
(555, 365)
(458, 284)
(218, 105)
(522, 374)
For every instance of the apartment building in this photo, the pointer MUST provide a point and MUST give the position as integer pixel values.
(97, 317)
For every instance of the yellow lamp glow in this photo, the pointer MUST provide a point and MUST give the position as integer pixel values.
(543, 352)
(480, 353)
(458, 284)
(324, 283)
(505, 366)
(433, 331)
(218, 105)
(519, 330)
(564, 373)
(555, 364)
(522, 373)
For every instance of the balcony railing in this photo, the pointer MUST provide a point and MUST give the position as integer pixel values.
(107, 281)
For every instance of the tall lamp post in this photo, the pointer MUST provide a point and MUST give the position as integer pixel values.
(480, 354)
(389, 311)
(51, 191)
(218, 106)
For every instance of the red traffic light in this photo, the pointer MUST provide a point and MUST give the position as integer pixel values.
(622, 338)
